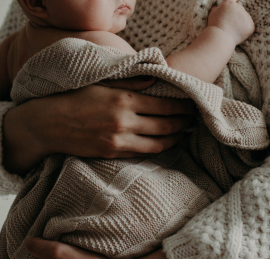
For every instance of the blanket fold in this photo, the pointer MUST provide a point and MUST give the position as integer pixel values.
(235, 226)
(55, 69)
(126, 208)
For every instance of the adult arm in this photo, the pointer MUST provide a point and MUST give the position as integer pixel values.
(93, 121)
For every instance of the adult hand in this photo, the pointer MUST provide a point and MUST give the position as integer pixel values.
(94, 121)
(45, 249)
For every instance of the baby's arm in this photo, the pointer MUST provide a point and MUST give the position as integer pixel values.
(107, 39)
(206, 56)
(228, 25)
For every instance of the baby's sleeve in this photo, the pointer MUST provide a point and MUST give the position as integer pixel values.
(15, 19)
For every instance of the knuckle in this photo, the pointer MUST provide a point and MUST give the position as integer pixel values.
(119, 101)
(114, 144)
(118, 125)
(122, 100)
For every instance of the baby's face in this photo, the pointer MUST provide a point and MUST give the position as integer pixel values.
(90, 15)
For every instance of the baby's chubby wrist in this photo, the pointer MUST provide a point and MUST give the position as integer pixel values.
(232, 18)
(229, 35)
(215, 31)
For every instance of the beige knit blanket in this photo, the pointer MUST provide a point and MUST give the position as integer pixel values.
(125, 208)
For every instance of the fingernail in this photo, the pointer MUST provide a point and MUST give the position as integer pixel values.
(147, 78)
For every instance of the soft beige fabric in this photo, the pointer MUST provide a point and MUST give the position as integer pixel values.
(124, 208)
(56, 69)
(235, 226)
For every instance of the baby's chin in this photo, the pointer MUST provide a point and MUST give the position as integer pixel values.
(120, 26)
(117, 31)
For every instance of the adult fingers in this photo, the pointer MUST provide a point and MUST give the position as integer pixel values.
(163, 106)
(143, 104)
(125, 155)
(135, 83)
(138, 144)
(153, 145)
(148, 125)
(45, 249)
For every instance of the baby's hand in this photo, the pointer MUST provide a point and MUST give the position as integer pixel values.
(233, 19)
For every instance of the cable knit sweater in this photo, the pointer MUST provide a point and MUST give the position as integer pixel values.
(181, 193)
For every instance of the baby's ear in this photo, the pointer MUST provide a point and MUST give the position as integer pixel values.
(34, 7)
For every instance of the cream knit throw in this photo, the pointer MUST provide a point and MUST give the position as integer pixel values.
(235, 226)
(125, 208)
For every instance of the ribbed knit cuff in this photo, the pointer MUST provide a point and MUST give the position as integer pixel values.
(9, 183)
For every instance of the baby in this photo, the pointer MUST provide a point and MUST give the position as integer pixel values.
(98, 21)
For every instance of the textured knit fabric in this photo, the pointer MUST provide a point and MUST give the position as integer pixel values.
(56, 69)
(125, 208)
(235, 226)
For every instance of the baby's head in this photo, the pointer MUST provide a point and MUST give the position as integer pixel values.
(80, 15)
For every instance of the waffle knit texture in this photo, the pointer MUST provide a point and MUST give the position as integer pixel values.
(125, 208)
(235, 226)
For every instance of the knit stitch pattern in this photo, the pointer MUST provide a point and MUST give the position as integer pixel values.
(62, 199)
(235, 226)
